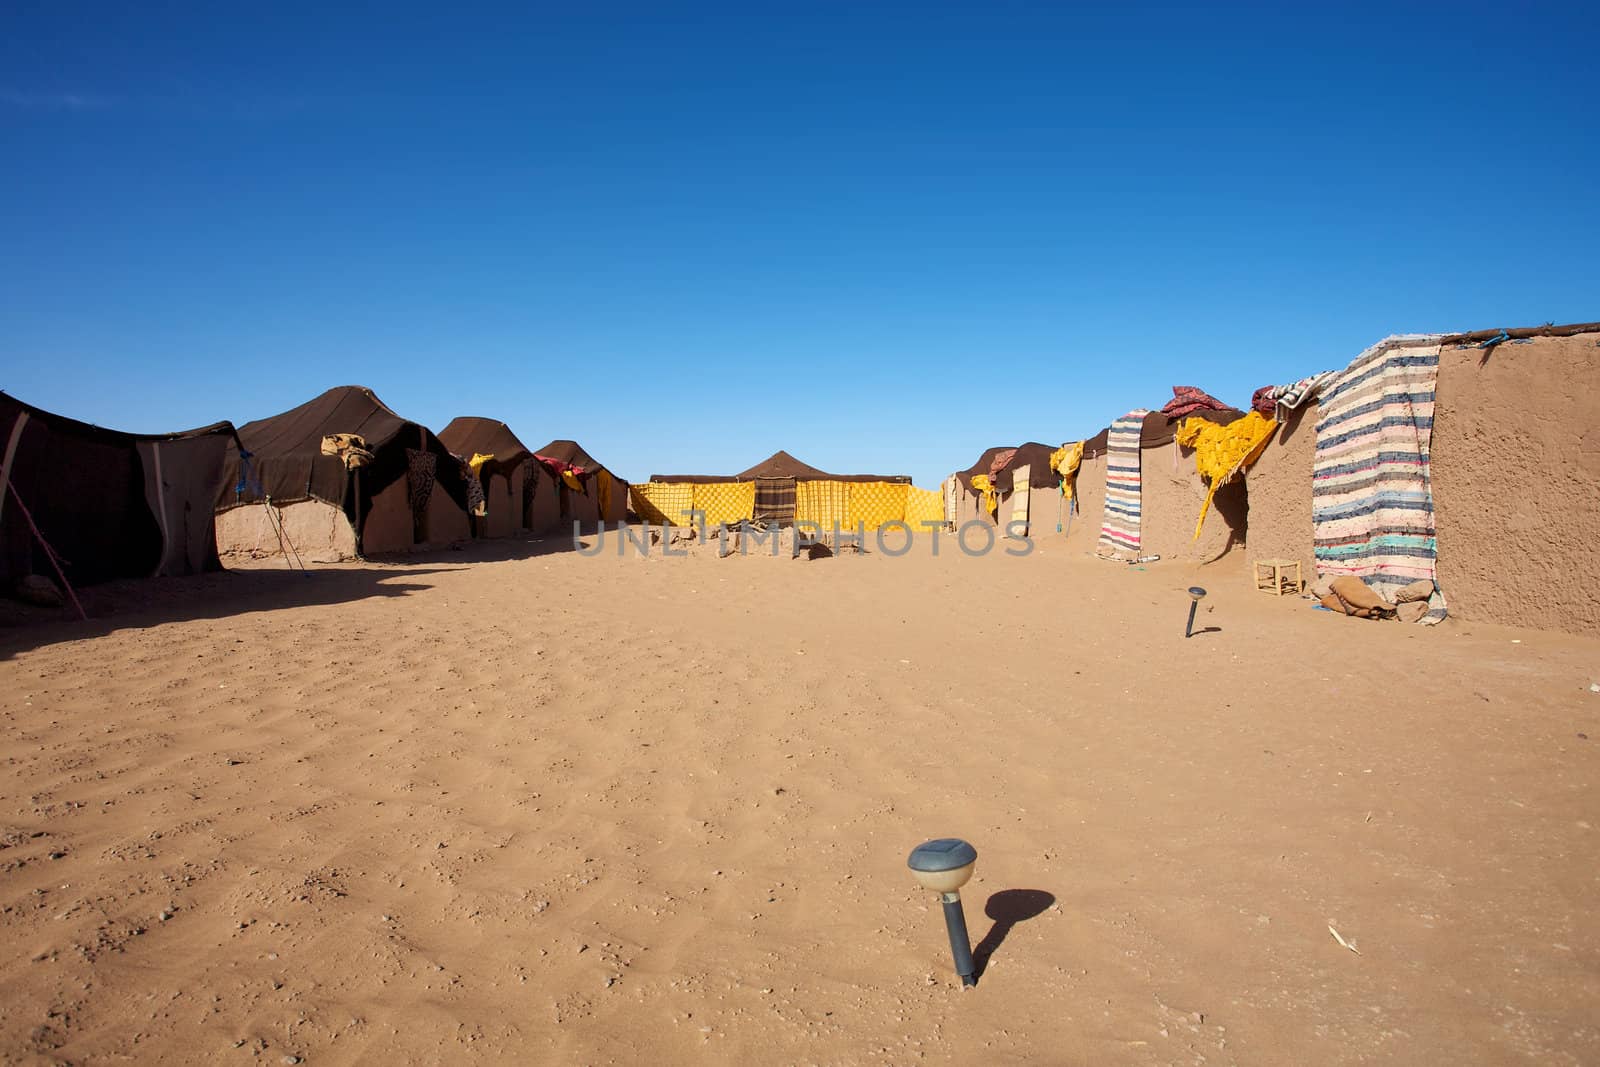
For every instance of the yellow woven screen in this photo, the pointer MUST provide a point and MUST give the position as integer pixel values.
(923, 505)
(824, 503)
(663, 503)
(729, 502)
(871, 504)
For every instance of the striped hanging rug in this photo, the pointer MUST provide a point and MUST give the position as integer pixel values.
(1371, 494)
(1119, 530)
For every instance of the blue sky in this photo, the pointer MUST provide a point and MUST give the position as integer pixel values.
(881, 237)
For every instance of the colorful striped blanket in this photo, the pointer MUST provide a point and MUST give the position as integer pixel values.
(1119, 530)
(1371, 496)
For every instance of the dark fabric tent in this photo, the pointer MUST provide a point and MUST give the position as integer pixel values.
(490, 437)
(282, 460)
(1035, 455)
(782, 465)
(512, 480)
(603, 497)
(109, 504)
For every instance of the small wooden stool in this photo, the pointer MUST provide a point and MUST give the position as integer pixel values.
(1278, 576)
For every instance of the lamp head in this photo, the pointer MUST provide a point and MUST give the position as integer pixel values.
(943, 865)
(1196, 593)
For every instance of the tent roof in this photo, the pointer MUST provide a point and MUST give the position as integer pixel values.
(1570, 330)
(781, 465)
(1035, 455)
(89, 430)
(342, 409)
(571, 452)
(286, 460)
(467, 434)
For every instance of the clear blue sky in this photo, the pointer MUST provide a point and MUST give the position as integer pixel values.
(881, 237)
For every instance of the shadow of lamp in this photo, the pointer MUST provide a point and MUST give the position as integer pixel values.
(943, 867)
(1196, 594)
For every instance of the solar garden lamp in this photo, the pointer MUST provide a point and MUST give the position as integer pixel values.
(1196, 594)
(944, 866)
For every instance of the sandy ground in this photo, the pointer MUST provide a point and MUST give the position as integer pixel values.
(515, 804)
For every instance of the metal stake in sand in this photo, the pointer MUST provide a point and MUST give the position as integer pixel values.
(1196, 594)
(944, 866)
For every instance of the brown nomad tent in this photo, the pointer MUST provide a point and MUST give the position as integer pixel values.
(411, 491)
(599, 495)
(109, 504)
(1032, 454)
(775, 479)
(518, 491)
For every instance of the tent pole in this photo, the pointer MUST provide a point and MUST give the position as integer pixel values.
(49, 552)
(360, 519)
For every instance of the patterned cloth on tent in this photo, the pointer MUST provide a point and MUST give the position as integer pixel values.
(1220, 452)
(923, 506)
(560, 468)
(1019, 502)
(1371, 493)
(663, 503)
(1187, 399)
(822, 502)
(1276, 401)
(476, 504)
(871, 504)
(530, 489)
(421, 467)
(1001, 458)
(774, 499)
(351, 448)
(1119, 530)
(729, 502)
(420, 470)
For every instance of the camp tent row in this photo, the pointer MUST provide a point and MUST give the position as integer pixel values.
(782, 490)
(1464, 459)
(343, 475)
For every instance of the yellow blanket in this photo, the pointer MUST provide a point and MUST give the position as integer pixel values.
(991, 496)
(1065, 462)
(1220, 452)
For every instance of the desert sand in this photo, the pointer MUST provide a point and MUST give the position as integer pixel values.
(512, 804)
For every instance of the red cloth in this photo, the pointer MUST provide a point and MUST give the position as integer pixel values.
(1262, 402)
(558, 466)
(1187, 399)
(1000, 460)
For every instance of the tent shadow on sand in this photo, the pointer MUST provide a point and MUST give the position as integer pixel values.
(139, 603)
(1007, 908)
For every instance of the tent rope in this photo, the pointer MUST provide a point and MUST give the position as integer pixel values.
(249, 481)
(50, 553)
